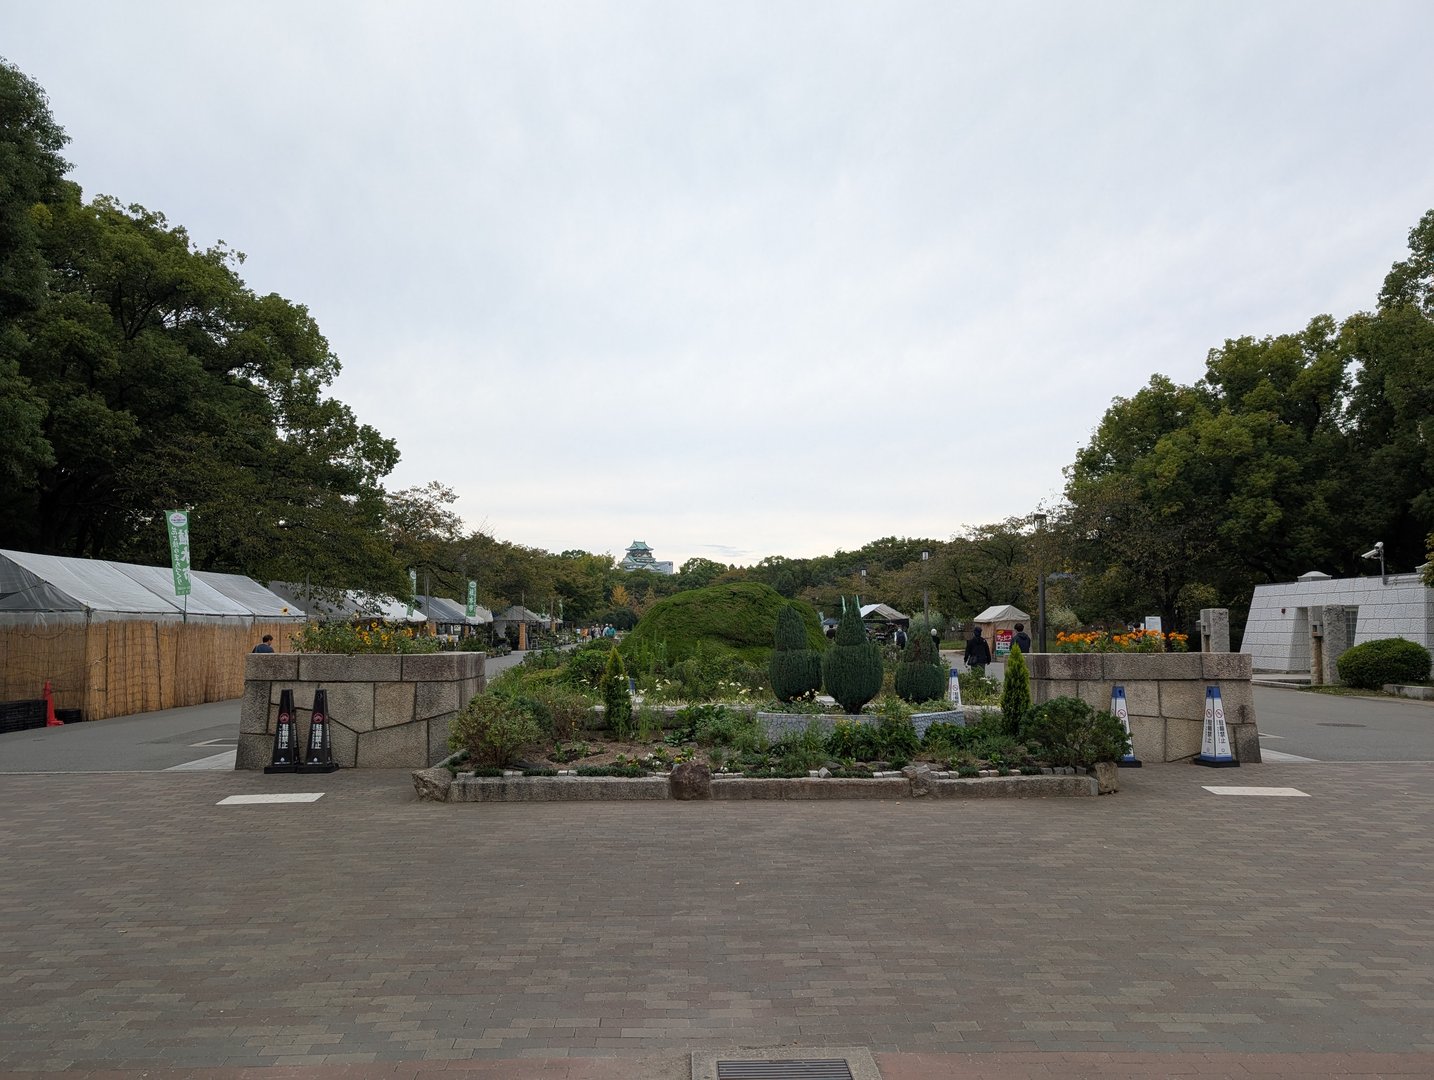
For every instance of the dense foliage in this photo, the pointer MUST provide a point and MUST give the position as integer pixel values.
(796, 668)
(616, 696)
(852, 669)
(1015, 690)
(740, 618)
(920, 676)
(1067, 731)
(494, 730)
(1388, 660)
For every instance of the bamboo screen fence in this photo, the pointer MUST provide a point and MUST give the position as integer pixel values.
(119, 668)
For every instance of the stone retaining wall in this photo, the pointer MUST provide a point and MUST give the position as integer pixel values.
(1164, 693)
(386, 712)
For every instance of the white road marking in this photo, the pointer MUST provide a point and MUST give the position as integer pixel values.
(1274, 755)
(281, 797)
(1266, 735)
(217, 761)
(215, 742)
(1281, 791)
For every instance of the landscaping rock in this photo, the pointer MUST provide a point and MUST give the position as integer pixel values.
(691, 780)
(432, 784)
(921, 778)
(1107, 777)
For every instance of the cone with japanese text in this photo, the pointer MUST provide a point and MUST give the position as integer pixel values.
(285, 757)
(1215, 741)
(1121, 712)
(320, 755)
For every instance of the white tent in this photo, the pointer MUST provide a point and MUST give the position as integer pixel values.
(54, 590)
(346, 605)
(1000, 613)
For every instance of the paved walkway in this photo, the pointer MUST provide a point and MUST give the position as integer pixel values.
(145, 930)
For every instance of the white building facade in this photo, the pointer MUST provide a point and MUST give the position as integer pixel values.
(1277, 634)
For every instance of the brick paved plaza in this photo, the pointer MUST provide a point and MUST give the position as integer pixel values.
(146, 931)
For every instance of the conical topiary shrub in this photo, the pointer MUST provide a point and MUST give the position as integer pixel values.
(920, 676)
(796, 668)
(616, 698)
(851, 668)
(1015, 691)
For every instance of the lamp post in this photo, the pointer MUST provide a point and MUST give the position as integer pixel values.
(1040, 520)
(925, 581)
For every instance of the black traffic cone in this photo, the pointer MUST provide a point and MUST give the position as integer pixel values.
(286, 737)
(320, 757)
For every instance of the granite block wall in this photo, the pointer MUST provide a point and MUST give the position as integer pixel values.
(386, 712)
(1164, 694)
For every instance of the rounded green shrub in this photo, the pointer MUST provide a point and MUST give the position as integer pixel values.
(737, 617)
(1388, 660)
(796, 668)
(920, 676)
(494, 729)
(851, 668)
(1067, 731)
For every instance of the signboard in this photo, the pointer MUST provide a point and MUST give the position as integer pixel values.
(1003, 642)
(412, 591)
(178, 522)
(472, 610)
(955, 692)
(1152, 622)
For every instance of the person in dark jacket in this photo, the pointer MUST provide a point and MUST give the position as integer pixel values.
(1022, 638)
(266, 644)
(978, 653)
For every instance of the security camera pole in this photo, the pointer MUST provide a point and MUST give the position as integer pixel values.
(1377, 552)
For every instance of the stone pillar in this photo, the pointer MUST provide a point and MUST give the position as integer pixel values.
(1335, 642)
(1214, 629)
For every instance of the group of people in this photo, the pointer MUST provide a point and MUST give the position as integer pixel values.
(978, 651)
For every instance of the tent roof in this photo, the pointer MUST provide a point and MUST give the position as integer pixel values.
(56, 584)
(883, 611)
(250, 594)
(350, 604)
(1002, 613)
(442, 609)
(518, 613)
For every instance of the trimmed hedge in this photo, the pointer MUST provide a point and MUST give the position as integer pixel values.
(920, 676)
(851, 669)
(1388, 660)
(739, 618)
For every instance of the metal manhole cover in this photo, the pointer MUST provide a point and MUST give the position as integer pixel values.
(812, 1069)
(786, 1063)
(1341, 725)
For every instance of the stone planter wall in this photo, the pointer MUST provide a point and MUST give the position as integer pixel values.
(1164, 693)
(386, 712)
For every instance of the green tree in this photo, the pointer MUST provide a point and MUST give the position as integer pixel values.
(920, 676)
(851, 668)
(1015, 691)
(796, 668)
(617, 697)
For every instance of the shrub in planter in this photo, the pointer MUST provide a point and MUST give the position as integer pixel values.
(849, 741)
(851, 668)
(796, 668)
(617, 701)
(920, 676)
(1016, 691)
(1067, 731)
(493, 729)
(1389, 660)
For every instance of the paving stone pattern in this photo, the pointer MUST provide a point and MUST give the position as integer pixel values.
(142, 927)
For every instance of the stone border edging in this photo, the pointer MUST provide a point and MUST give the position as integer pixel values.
(438, 785)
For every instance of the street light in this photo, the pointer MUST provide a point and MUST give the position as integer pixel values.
(925, 581)
(1040, 520)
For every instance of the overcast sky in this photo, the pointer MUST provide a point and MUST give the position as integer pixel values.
(744, 279)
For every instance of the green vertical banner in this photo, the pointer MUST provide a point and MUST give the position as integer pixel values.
(412, 590)
(472, 599)
(178, 521)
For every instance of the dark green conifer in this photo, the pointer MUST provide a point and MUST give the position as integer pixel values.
(920, 676)
(796, 668)
(851, 668)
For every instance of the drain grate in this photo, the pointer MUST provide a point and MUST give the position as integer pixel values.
(811, 1069)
